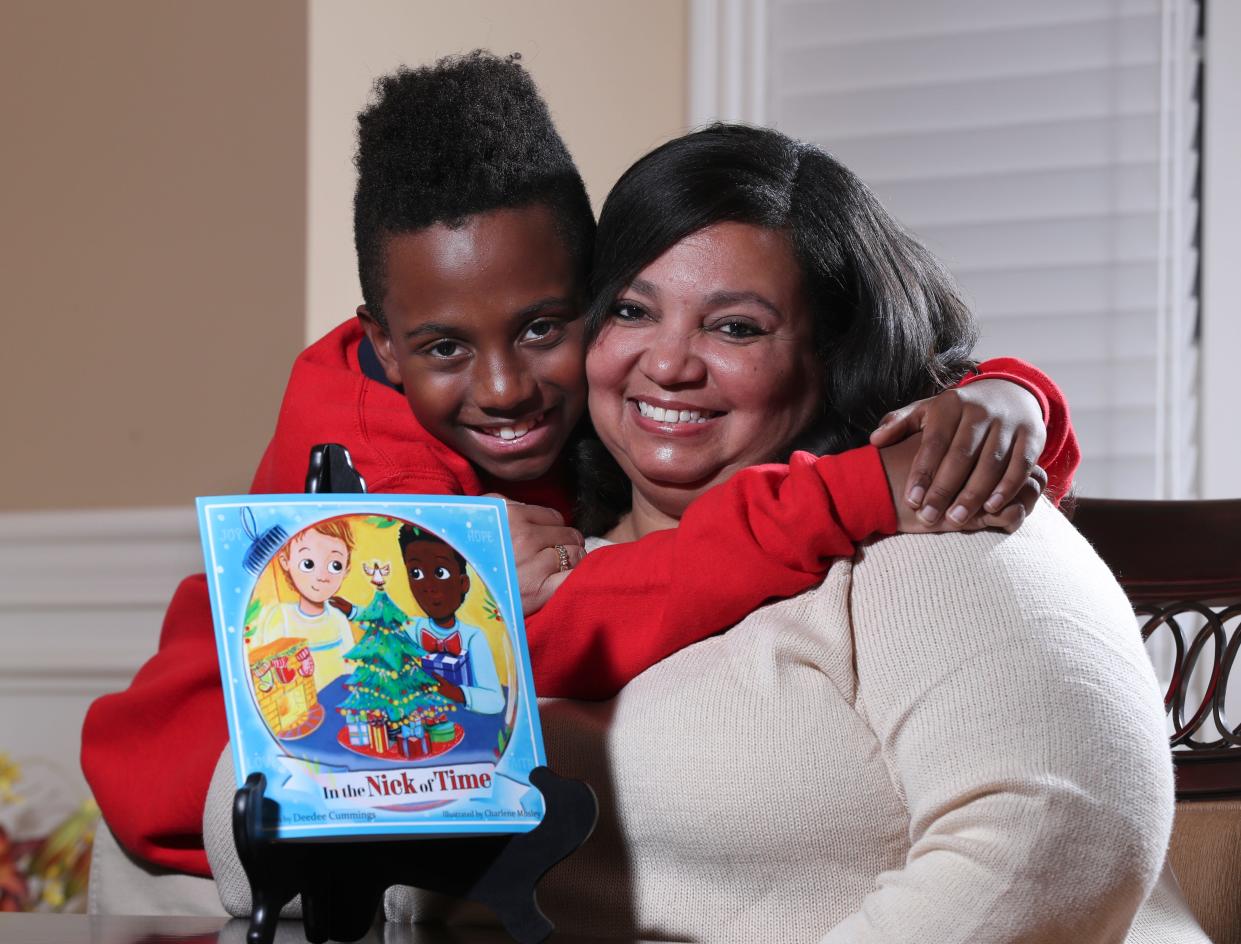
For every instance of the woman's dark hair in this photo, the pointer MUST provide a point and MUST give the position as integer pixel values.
(889, 326)
(442, 143)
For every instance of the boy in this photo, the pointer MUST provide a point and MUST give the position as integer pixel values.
(315, 563)
(463, 374)
(439, 583)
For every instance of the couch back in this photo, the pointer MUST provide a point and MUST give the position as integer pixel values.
(1180, 564)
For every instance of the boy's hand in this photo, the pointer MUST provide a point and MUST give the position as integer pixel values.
(536, 532)
(450, 691)
(978, 454)
(898, 461)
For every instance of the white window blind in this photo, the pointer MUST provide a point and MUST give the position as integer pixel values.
(1047, 152)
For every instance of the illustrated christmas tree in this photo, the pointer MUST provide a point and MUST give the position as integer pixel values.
(389, 692)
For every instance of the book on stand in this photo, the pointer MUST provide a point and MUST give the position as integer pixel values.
(374, 663)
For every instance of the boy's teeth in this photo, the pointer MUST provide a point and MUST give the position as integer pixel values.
(514, 432)
(661, 415)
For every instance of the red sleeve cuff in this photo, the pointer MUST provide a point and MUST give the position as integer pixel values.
(857, 481)
(1024, 382)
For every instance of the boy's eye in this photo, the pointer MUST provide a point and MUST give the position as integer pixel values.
(415, 573)
(441, 573)
(305, 565)
(335, 566)
(445, 348)
(542, 330)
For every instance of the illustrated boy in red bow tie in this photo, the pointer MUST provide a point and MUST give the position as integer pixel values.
(439, 583)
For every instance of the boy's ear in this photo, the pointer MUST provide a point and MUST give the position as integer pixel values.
(381, 341)
(465, 584)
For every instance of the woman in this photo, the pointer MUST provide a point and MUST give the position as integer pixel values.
(953, 738)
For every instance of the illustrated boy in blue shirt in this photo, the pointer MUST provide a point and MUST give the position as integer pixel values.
(439, 583)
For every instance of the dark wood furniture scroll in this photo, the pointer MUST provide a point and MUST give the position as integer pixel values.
(1180, 564)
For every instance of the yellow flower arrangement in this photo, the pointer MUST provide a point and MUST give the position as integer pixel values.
(46, 873)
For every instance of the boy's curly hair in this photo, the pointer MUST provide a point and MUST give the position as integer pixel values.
(413, 534)
(444, 142)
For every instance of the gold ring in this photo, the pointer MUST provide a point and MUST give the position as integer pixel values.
(563, 554)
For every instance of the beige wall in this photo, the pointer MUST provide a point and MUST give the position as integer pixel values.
(152, 233)
(613, 73)
(176, 215)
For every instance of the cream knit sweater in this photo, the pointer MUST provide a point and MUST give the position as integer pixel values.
(953, 738)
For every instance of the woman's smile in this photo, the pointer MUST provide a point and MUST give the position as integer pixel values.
(674, 418)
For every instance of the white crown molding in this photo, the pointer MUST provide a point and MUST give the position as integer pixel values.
(728, 61)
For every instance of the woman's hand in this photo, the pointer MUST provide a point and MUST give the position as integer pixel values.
(977, 458)
(536, 533)
(898, 462)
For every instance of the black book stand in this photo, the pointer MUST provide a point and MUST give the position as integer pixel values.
(342, 884)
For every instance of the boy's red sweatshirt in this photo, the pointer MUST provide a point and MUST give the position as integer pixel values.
(624, 608)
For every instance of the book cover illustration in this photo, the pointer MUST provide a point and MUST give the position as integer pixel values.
(374, 662)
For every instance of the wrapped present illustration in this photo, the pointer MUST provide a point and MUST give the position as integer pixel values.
(414, 741)
(378, 730)
(358, 727)
(443, 732)
(455, 669)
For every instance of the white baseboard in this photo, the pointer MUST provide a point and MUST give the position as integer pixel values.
(82, 599)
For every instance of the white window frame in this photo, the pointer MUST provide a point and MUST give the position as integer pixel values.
(1219, 443)
(727, 72)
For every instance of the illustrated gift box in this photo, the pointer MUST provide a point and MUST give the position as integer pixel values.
(443, 733)
(359, 730)
(414, 741)
(378, 734)
(455, 669)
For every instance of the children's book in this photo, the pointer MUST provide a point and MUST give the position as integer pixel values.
(374, 662)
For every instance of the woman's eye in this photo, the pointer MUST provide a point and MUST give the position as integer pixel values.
(628, 311)
(740, 329)
(415, 573)
(305, 565)
(542, 330)
(441, 573)
(335, 567)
